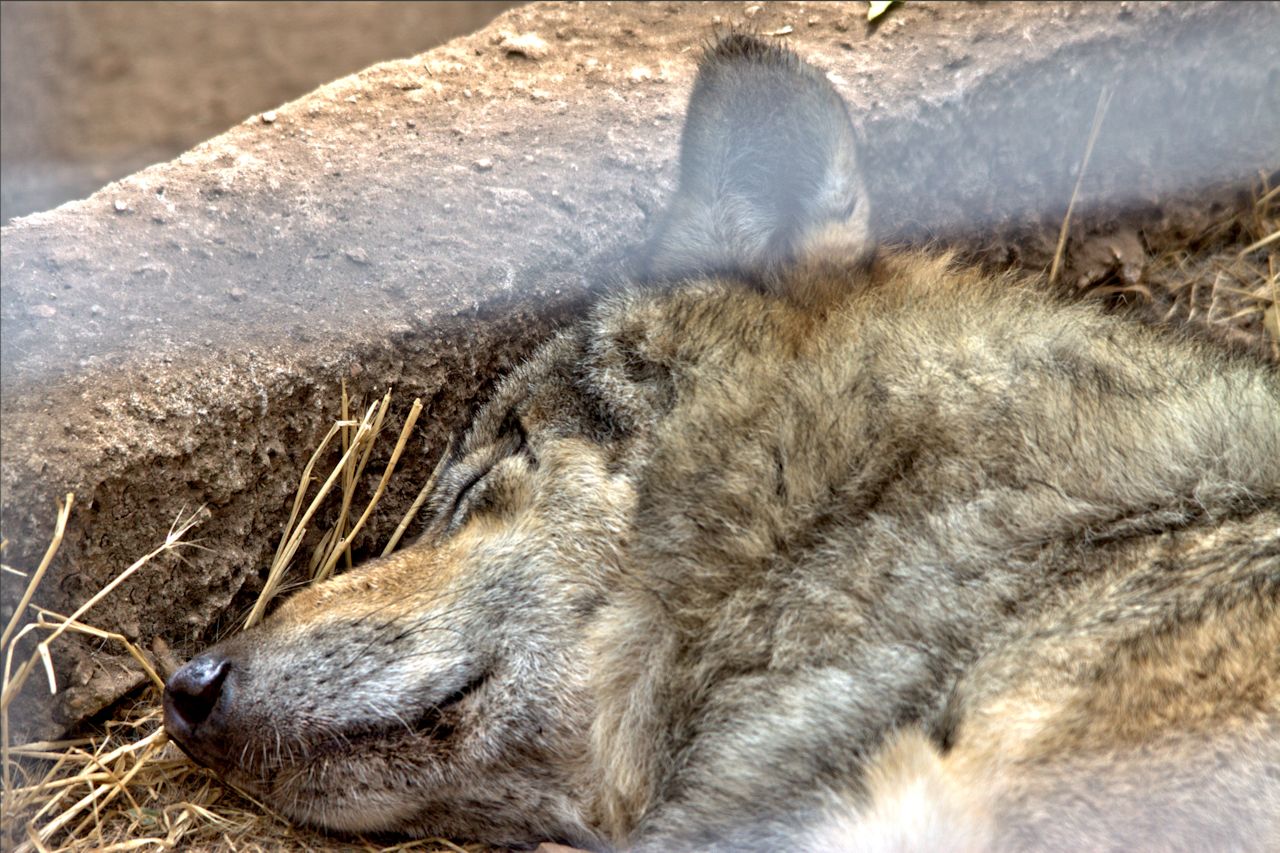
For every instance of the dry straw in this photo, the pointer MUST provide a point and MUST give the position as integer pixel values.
(126, 787)
(1241, 302)
(1226, 278)
(1099, 114)
(358, 440)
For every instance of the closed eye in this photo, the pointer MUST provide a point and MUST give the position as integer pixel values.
(516, 437)
(467, 486)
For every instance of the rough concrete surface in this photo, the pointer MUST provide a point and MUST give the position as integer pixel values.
(96, 91)
(177, 339)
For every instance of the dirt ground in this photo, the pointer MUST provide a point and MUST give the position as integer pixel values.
(93, 92)
(177, 340)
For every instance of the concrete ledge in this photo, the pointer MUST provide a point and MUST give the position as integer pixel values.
(177, 339)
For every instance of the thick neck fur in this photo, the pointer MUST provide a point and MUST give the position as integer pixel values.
(1042, 457)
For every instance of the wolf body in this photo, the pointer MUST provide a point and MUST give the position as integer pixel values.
(797, 545)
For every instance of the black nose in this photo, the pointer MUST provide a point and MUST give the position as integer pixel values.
(194, 691)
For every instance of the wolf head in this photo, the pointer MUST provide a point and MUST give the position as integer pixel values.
(446, 689)
(442, 689)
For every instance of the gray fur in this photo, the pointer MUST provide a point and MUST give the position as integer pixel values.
(816, 550)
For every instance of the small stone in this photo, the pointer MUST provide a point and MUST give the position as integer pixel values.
(639, 73)
(528, 45)
(81, 672)
(236, 294)
(752, 11)
(121, 205)
(269, 117)
(357, 256)
(96, 310)
(484, 164)
(43, 310)
(511, 196)
(410, 123)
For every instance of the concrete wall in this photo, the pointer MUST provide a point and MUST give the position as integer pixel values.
(96, 91)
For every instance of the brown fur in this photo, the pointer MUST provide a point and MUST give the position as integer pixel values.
(816, 548)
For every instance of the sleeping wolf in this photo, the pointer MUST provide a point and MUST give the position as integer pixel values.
(797, 546)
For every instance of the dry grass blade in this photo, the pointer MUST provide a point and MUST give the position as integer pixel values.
(1265, 241)
(1228, 283)
(49, 619)
(172, 540)
(59, 530)
(419, 500)
(332, 545)
(343, 544)
(293, 534)
(13, 683)
(105, 791)
(303, 482)
(1099, 113)
(348, 475)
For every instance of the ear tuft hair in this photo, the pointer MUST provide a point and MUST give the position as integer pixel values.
(737, 45)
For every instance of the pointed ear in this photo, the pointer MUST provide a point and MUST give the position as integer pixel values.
(769, 175)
